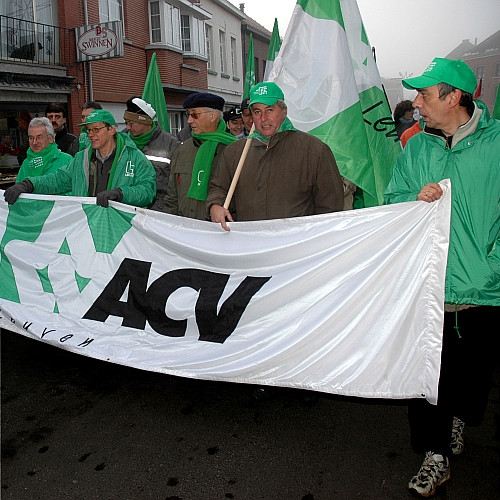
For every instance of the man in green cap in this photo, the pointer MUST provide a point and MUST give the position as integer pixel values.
(111, 169)
(287, 173)
(460, 142)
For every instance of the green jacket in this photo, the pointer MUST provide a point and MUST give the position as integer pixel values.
(134, 175)
(473, 165)
(58, 160)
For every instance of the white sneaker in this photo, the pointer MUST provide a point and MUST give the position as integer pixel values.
(435, 470)
(457, 436)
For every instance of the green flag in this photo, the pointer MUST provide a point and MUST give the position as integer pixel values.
(496, 109)
(250, 70)
(274, 48)
(153, 94)
(333, 90)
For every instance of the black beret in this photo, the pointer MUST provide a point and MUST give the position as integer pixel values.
(244, 103)
(204, 100)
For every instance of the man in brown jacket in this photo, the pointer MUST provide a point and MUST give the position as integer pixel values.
(197, 158)
(287, 173)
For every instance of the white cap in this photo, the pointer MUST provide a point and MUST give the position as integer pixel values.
(146, 107)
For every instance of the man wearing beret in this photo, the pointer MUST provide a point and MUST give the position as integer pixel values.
(197, 159)
(287, 173)
(459, 141)
(149, 137)
(111, 168)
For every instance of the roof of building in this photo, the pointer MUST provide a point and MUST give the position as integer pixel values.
(488, 47)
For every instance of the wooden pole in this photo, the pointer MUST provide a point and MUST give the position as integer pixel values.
(232, 187)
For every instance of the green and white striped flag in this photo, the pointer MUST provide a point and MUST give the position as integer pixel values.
(333, 90)
(274, 48)
(250, 70)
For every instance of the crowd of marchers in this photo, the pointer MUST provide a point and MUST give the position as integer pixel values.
(289, 173)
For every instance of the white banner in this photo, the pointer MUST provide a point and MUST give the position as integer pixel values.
(348, 303)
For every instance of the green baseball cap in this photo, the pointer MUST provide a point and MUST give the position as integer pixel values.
(99, 115)
(453, 72)
(266, 93)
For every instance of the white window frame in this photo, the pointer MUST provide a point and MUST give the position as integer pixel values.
(234, 64)
(209, 45)
(170, 24)
(222, 51)
(111, 10)
(193, 35)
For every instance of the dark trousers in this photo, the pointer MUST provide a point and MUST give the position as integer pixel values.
(467, 361)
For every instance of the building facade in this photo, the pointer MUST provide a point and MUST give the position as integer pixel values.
(484, 60)
(198, 45)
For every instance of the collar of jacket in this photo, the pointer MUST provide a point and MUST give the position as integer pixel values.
(463, 131)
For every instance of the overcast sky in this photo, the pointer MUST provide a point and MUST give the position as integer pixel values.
(406, 34)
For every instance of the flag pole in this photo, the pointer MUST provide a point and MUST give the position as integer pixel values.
(236, 176)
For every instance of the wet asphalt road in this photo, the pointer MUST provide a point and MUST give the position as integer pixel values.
(77, 428)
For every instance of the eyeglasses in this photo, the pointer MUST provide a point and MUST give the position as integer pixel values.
(94, 130)
(38, 138)
(195, 115)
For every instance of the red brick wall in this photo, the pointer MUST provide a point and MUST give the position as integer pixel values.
(116, 80)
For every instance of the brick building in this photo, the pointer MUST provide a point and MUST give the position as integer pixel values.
(199, 47)
(484, 60)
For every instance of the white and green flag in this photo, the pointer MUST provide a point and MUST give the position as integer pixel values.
(274, 48)
(250, 70)
(333, 90)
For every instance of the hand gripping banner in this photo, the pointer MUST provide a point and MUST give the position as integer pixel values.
(348, 303)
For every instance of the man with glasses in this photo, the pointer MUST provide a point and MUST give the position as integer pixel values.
(111, 169)
(87, 108)
(44, 156)
(197, 158)
(149, 137)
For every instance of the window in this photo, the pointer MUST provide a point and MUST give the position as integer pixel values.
(185, 34)
(208, 44)
(176, 121)
(480, 72)
(165, 23)
(497, 70)
(222, 51)
(495, 92)
(256, 62)
(193, 35)
(233, 56)
(111, 10)
(154, 12)
(172, 25)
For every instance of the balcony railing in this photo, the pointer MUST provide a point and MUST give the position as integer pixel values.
(26, 41)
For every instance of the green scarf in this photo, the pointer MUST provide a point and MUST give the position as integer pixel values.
(120, 144)
(38, 161)
(141, 140)
(204, 159)
(286, 125)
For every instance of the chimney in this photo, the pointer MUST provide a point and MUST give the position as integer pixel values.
(242, 7)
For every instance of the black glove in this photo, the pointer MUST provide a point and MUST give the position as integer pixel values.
(104, 197)
(12, 194)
